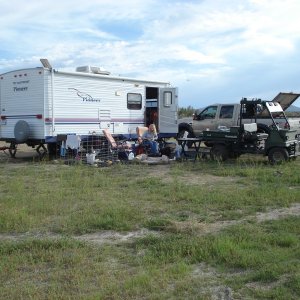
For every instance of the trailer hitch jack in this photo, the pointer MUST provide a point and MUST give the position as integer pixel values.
(12, 150)
(41, 150)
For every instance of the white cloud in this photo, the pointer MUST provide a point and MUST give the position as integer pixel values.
(200, 44)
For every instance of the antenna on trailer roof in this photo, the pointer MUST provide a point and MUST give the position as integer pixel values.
(45, 63)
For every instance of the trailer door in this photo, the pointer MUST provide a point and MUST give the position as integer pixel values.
(167, 113)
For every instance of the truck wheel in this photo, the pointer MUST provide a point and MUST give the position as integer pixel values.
(185, 133)
(278, 155)
(219, 152)
(234, 155)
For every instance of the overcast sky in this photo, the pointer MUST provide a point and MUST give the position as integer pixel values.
(212, 50)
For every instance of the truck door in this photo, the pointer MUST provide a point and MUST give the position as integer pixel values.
(205, 120)
(167, 113)
(226, 116)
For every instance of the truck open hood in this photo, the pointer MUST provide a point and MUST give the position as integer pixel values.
(286, 99)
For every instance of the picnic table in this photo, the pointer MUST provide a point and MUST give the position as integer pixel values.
(195, 144)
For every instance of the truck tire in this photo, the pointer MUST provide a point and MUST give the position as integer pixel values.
(234, 155)
(278, 155)
(184, 131)
(219, 152)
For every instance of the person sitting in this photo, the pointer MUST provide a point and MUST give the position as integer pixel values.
(149, 138)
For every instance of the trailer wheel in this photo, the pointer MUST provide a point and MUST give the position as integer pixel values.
(219, 152)
(278, 155)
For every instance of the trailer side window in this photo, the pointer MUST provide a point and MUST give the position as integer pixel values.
(134, 101)
(167, 99)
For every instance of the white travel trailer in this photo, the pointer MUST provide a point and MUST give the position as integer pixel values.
(38, 105)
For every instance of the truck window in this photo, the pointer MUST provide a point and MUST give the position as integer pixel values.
(226, 112)
(208, 113)
(134, 101)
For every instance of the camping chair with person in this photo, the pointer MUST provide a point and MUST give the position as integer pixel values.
(147, 141)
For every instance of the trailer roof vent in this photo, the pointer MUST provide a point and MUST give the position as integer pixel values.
(93, 70)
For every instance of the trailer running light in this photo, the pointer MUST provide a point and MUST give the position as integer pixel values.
(39, 116)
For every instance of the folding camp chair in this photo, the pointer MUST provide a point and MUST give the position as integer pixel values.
(122, 148)
(140, 130)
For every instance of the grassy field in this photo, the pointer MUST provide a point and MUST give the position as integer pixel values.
(186, 230)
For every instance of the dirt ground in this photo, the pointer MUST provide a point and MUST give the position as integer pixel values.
(23, 152)
(113, 237)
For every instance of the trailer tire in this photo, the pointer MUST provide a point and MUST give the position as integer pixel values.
(21, 131)
(278, 155)
(219, 152)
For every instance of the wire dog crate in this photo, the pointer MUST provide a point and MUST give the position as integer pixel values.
(92, 149)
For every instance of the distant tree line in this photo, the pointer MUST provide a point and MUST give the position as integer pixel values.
(292, 114)
(184, 112)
